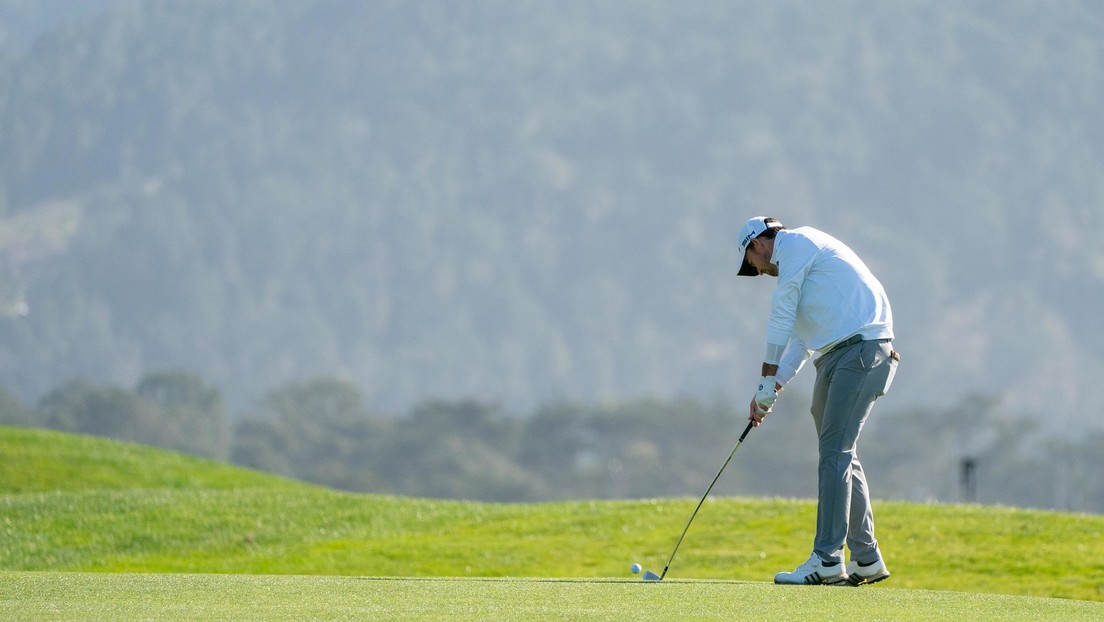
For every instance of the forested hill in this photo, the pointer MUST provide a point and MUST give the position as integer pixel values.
(524, 201)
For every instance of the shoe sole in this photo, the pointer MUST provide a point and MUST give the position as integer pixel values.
(867, 580)
(816, 579)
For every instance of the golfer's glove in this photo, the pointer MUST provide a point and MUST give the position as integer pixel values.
(766, 395)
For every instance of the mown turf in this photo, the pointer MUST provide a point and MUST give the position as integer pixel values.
(33, 597)
(139, 510)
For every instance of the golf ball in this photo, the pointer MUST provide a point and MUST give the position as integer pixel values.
(635, 568)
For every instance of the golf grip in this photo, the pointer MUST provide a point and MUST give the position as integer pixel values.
(717, 477)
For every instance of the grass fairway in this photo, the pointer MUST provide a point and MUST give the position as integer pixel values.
(92, 529)
(90, 597)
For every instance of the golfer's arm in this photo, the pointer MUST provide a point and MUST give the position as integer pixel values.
(772, 370)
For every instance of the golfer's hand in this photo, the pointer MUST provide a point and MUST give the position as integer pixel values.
(755, 414)
(764, 399)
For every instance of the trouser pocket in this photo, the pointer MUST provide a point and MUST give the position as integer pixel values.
(890, 370)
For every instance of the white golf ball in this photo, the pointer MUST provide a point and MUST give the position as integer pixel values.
(635, 568)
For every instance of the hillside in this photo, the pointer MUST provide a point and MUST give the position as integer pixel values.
(44, 461)
(237, 523)
(524, 202)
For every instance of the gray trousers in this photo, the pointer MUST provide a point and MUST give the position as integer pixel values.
(848, 381)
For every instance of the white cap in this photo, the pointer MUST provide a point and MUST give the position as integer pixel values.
(752, 229)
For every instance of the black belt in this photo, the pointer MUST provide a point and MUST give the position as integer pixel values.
(850, 341)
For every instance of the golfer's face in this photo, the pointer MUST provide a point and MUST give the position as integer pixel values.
(758, 255)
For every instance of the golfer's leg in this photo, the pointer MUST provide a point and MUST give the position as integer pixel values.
(833, 505)
(860, 530)
(846, 406)
(826, 503)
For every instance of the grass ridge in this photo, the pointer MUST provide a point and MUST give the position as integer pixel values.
(106, 507)
(38, 460)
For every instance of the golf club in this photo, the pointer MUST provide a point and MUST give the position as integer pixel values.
(651, 576)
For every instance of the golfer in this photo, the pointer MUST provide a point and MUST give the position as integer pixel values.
(826, 301)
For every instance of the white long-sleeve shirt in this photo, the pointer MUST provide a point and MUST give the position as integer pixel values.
(825, 294)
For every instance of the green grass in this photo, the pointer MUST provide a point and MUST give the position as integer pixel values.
(41, 460)
(90, 526)
(30, 597)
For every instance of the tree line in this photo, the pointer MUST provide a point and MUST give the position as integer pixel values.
(516, 200)
(322, 431)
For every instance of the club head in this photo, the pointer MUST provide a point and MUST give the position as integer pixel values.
(650, 576)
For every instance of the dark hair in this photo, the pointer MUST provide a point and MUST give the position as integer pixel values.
(773, 227)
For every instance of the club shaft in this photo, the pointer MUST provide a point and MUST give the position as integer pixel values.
(715, 478)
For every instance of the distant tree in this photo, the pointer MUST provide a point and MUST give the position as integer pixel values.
(638, 448)
(317, 431)
(14, 412)
(558, 444)
(1076, 465)
(191, 413)
(464, 449)
(109, 411)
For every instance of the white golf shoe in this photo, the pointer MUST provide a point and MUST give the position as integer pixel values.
(861, 575)
(814, 572)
